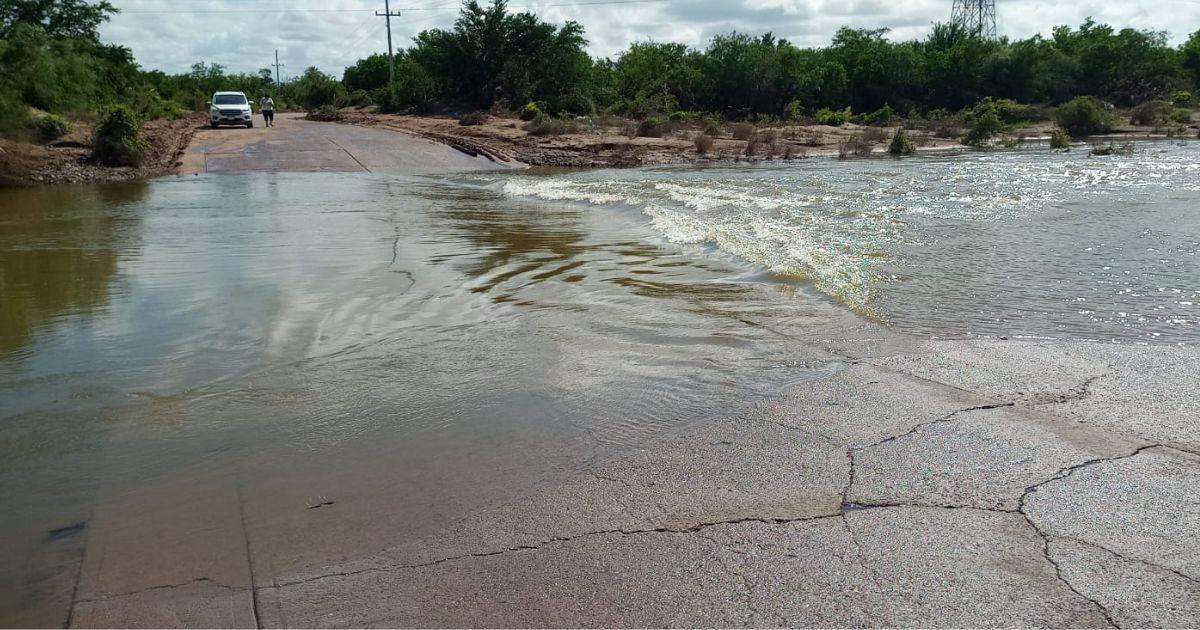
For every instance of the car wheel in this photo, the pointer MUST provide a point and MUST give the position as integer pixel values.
(215, 125)
(250, 125)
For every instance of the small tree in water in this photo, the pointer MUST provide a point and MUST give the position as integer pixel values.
(901, 144)
(1060, 139)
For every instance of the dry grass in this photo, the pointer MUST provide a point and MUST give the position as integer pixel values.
(752, 146)
(858, 145)
(547, 126)
(874, 135)
(704, 144)
(790, 152)
(741, 131)
(812, 137)
(472, 119)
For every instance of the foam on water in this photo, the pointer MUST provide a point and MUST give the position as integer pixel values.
(859, 230)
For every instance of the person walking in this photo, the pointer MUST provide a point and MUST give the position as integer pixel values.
(268, 109)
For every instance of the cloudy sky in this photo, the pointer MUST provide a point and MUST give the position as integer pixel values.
(243, 34)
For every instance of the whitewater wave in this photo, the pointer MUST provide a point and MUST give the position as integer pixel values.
(845, 226)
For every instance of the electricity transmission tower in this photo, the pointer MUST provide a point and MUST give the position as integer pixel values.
(977, 16)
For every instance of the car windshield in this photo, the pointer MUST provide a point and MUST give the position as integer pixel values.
(230, 99)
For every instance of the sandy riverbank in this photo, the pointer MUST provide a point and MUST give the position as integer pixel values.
(614, 143)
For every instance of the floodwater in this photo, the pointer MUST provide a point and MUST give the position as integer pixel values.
(1021, 243)
(407, 350)
(410, 349)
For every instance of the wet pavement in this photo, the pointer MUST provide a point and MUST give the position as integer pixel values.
(295, 144)
(344, 400)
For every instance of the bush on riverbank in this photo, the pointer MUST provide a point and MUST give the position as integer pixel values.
(1181, 115)
(1150, 113)
(901, 144)
(119, 140)
(1084, 116)
(51, 127)
(834, 118)
(1060, 140)
(985, 122)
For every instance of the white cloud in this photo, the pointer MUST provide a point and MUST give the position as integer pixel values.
(243, 34)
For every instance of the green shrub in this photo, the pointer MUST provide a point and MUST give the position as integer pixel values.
(1181, 115)
(795, 111)
(1084, 116)
(576, 103)
(1150, 113)
(119, 138)
(901, 144)
(1012, 112)
(1060, 139)
(358, 98)
(984, 127)
(530, 112)
(315, 89)
(412, 91)
(712, 124)
(682, 117)
(1182, 98)
(834, 117)
(654, 127)
(882, 116)
(646, 105)
(14, 115)
(51, 127)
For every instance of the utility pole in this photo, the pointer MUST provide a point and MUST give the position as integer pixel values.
(277, 66)
(388, 15)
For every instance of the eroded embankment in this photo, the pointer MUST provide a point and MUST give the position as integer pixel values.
(69, 159)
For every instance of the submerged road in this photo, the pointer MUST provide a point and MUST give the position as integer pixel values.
(915, 483)
(295, 144)
(947, 484)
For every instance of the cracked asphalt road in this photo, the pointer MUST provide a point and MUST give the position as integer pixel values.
(976, 484)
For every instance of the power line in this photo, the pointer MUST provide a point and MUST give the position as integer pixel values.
(444, 8)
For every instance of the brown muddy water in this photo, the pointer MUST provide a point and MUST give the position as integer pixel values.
(321, 365)
(407, 349)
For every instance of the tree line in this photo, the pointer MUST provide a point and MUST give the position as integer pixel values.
(491, 53)
(52, 59)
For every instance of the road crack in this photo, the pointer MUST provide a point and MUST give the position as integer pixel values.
(563, 539)
(163, 587)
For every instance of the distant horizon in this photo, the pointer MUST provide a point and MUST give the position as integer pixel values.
(333, 35)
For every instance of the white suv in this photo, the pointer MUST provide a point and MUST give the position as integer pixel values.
(230, 108)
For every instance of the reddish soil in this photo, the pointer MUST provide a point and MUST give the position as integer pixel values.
(69, 159)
